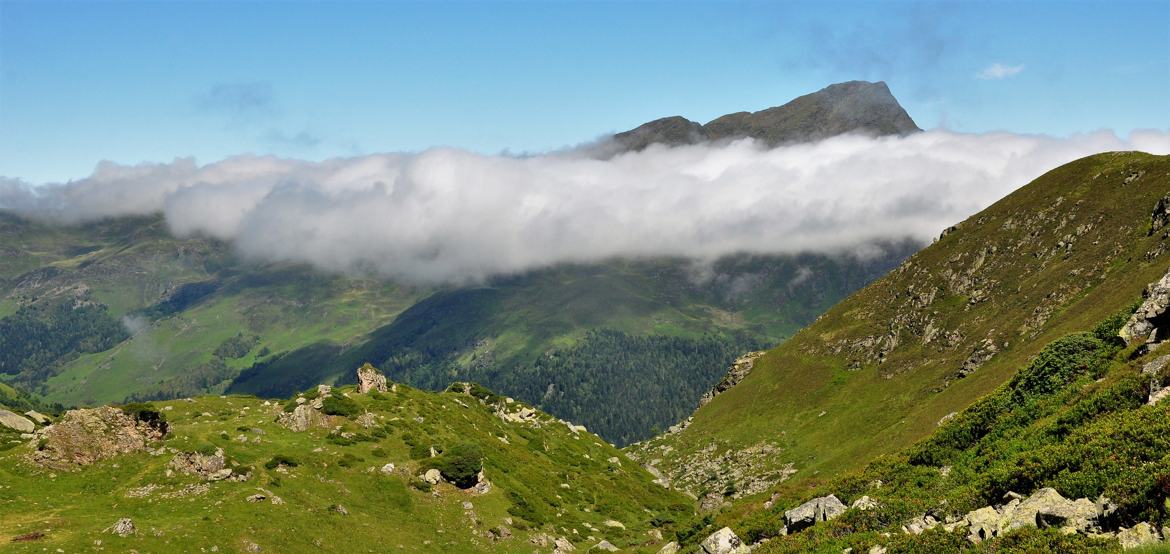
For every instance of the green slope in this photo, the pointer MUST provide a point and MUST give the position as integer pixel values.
(879, 370)
(545, 479)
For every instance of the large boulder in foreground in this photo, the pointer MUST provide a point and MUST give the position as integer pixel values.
(723, 541)
(86, 436)
(370, 379)
(16, 422)
(812, 512)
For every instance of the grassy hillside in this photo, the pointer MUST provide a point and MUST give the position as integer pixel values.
(958, 319)
(546, 480)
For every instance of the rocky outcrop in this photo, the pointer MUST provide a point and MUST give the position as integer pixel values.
(1156, 371)
(739, 369)
(37, 417)
(370, 379)
(1149, 324)
(723, 541)
(982, 353)
(812, 512)
(1044, 508)
(212, 467)
(16, 422)
(123, 527)
(304, 417)
(85, 436)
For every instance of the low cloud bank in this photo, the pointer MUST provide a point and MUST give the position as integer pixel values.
(448, 215)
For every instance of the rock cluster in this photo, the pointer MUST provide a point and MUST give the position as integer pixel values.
(212, 467)
(85, 436)
(16, 422)
(304, 417)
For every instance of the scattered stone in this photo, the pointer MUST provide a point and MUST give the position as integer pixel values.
(563, 545)
(370, 379)
(387, 469)
(433, 476)
(920, 524)
(212, 467)
(123, 527)
(723, 541)
(340, 509)
(605, 546)
(16, 422)
(614, 524)
(812, 512)
(257, 498)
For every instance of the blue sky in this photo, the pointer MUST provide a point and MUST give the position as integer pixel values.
(130, 81)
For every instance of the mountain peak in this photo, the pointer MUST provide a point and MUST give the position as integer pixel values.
(852, 106)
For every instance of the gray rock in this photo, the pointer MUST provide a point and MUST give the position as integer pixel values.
(605, 546)
(39, 418)
(982, 524)
(123, 527)
(1143, 325)
(1139, 535)
(669, 548)
(812, 512)
(16, 422)
(433, 476)
(370, 379)
(723, 541)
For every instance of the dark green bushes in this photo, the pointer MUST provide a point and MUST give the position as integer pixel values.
(338, 405)
(148, 414)
(281, 460)
(460, 464)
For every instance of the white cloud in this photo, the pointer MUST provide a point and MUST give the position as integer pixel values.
(997, 71)
(449, 215)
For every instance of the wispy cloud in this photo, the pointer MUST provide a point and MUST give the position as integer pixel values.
(449, 215)
(238, 100)
(998, 71)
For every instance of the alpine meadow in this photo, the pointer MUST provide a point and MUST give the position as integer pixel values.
(381, 277)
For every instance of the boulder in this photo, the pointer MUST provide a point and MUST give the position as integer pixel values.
(387, 469)
(1139, 535)
(723, 541)
(370, 379)
(982, 524)
(669, 548)
(562, 545)
(1155, 370)
(303, 418)
(1148, 324)
(605, 546)
(919, 524)
(39, 418)
(812, 512)
(123, 527)
(16, 422)
(433, 476)
(85, 436)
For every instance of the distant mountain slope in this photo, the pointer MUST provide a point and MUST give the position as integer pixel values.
(881, 369)
(855, 106)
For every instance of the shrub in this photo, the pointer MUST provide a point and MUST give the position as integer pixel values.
(349, 460)
(461, 464)
(281, 460)
(148, 414)
(338, 405)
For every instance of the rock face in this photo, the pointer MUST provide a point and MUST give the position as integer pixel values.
(1150, 322)
(370, 379)
(855, 106)
(812, 512)
(723, 541)
(85, 436)
(739, 369)
(16, 422)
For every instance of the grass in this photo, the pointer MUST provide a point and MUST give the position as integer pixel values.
(883, 407)
(72, 509)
